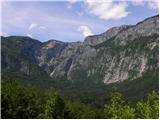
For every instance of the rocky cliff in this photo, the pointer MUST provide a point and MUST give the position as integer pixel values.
(121, 53)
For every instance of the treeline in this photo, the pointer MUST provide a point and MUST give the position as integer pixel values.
(18, 101)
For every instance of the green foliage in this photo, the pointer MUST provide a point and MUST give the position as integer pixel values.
(150, 108)
(88, 92)
(81, 111)
(54, 107)
(118, 109)
(138, 89)
(18, 63)
(19, 101)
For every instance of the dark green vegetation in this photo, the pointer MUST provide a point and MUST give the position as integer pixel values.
(19, 62)
(20, 101)
(18, 55)
(96, 94)
(117, 78)
(80, 98)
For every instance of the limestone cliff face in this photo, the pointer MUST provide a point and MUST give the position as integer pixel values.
(97, 39)
(121, 53)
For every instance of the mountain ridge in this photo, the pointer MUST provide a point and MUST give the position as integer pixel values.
(88, 36)
(91, 57)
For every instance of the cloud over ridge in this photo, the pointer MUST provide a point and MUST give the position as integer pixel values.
(85, 30)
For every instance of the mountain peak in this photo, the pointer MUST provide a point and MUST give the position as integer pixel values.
(114, 31)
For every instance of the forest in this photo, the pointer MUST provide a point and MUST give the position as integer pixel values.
(28, 101)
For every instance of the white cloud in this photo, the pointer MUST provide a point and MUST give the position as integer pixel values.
(107, 10)
(33, 25)
(153, 5)
(85, 30)
(29, 35)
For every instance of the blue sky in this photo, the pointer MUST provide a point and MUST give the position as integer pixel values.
(71, 20)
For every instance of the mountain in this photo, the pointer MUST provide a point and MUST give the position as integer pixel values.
(124, 56)
(121, 53)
